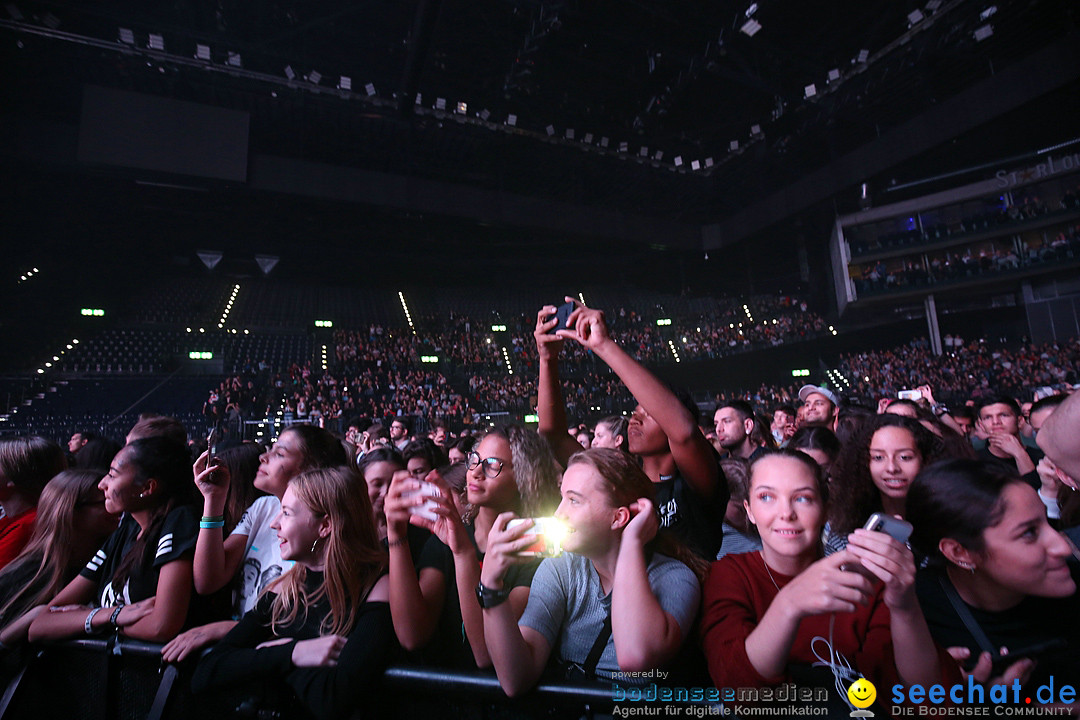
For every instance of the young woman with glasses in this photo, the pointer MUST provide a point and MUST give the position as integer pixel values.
(511, 470)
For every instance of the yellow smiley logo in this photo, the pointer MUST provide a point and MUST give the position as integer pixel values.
(862, 693)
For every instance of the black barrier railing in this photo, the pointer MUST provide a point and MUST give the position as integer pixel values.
(110, 679)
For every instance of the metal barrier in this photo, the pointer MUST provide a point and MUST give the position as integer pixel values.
(109, 679)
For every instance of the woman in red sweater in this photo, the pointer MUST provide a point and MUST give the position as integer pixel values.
(770, 615)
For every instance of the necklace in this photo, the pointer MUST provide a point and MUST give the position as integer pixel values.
(769, 571)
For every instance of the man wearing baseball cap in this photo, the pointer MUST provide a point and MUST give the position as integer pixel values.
(821, 404)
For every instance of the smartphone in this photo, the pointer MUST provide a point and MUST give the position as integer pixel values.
(549, 533)
(897, 529)
(1044, 392)
(213, 445)
(562, 314)
(424, 504)
(999, 663)
(909, 395)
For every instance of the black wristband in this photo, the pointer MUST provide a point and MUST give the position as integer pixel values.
(489, 598)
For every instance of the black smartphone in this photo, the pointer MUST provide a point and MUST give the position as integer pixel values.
(562, 314)
(213, 445)
(1000, 663)
(897, 529)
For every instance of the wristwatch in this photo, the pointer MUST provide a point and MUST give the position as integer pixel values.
(940, 409)
(489, 598)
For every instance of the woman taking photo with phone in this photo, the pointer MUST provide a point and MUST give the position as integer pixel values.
(252, 547)
(618, 602)
(765, 613)
(324, 626)
(434, 601)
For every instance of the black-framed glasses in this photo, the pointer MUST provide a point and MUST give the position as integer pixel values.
(492, 465)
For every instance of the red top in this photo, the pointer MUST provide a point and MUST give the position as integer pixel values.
(15, 532)
(737, 593)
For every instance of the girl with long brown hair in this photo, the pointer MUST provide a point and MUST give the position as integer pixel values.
(324, 626)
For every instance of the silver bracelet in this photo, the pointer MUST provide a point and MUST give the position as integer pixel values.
(89, 619)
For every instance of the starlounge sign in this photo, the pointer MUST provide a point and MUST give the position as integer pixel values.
(1007, 179)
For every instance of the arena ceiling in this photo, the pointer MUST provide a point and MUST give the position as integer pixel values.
(714, 118)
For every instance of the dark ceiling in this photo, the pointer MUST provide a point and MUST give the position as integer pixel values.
(676, 77)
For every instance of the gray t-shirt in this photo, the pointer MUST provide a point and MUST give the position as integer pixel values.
(567, 606)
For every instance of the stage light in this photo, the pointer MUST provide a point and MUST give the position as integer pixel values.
(751, 27)
(314, 77)
(126, 36)
(511, 120)
(810, 90)
(984, 32)
(202, 52)
(370, 90)
(235, 60)
(155, 42)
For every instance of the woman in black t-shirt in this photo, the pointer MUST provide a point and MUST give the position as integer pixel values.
(140, 581)
(1000, 576)
(324, 626)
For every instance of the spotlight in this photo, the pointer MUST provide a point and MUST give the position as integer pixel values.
(810, 90)
(588, 139)
(863, 56)
(834, 75)
(484, 114)
(569, 133)
(289, 72)
(695, 165)
(234, 59)
(156, 42)
(733, 146)
(603, 142)
(644, 152)
(988, 12)
(984, 32)
(370, 90)
(202, 52)
(624, 147)
(755, 130)
(750, 27)
(550, 130)
(314, 77)
(708, 162)
(658, 155)
(915, 17)
(126, 36)
(462, 108)
(440, 103)
(344, 83)
(678, 161)
(511, 120)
